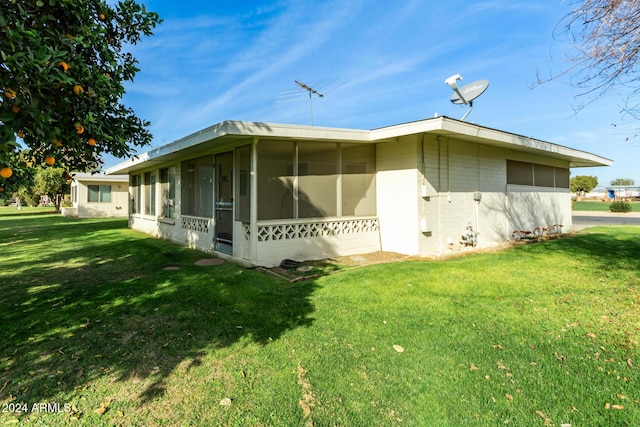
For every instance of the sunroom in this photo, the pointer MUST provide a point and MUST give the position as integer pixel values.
(289, 192)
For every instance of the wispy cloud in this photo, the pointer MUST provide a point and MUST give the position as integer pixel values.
(230, 61)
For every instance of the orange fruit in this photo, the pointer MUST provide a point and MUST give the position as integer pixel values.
(1, 189)
(49, 160)
(20, 134)
(15, 109)
(79, 129)
(77, 89)
(63, 65)
(10, 93)
(57, 142)
(6, 172)
(102, 17)
(91, 142)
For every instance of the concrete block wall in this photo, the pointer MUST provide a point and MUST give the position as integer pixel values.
(450, 172)
(454, 172)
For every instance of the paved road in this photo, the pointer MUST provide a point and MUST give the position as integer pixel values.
(583, 220)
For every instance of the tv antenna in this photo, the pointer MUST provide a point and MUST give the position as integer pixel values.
(294, 95)
(466, 94)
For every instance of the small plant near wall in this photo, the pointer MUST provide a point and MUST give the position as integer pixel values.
(620, 206)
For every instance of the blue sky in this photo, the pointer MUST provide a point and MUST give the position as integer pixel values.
(378, 62)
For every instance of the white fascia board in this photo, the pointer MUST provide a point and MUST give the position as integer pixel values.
(247, 129)
(446, 126)
(83, 176)
(274, 130)
(442, 125)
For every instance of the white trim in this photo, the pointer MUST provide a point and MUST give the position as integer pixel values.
(234, 132)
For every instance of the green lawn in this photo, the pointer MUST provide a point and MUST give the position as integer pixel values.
(541, 334)
(26, 210)
(599, 206)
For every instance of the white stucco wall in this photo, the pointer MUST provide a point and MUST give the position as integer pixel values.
(397, 195)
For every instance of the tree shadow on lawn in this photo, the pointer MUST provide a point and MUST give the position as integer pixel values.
(106, 310)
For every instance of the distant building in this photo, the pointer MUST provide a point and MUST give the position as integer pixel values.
(98, 195)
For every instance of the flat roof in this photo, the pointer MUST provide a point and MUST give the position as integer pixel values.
(230, 133)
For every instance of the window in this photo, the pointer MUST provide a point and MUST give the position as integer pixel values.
(317, 179)
(168, 193)
(358, 180)
(519, 173)
(105, 193)
(136, 186)
(197, 187)
(275, 179)
(562, 178)
(93, 191)
(543, 176)
(99, 193)
(314, 179)
(150, 193)
(243, 180)
(534, 174)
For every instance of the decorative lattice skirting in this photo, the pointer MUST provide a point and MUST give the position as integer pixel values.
(273, 232)
(195, 224)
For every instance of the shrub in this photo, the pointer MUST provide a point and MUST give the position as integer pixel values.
(620, 207)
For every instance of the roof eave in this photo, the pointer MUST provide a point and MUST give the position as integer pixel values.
(446, 126)
(240, 129)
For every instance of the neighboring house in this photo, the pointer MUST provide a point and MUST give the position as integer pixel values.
(260, 193)
(98, 195)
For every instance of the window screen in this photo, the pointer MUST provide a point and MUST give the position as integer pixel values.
(197, 187)
(358, 180)
(317, 180)
(544, 175)
(243, 183)
(519, 173)
(150, 193)
(275, 179)
(136, 184)
(534, 174)
(562, 177)
(167, 193)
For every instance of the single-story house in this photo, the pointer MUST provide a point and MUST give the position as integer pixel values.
(259, 193)
(98, 195)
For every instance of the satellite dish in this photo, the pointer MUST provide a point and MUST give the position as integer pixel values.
(466, 94)
(470, 92)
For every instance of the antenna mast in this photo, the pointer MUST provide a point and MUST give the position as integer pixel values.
(322, 85)
(311, 91)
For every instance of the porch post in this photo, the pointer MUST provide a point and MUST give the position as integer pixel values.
(253, 203)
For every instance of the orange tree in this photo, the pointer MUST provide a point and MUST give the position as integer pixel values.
(54, 182)
(62, 70)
